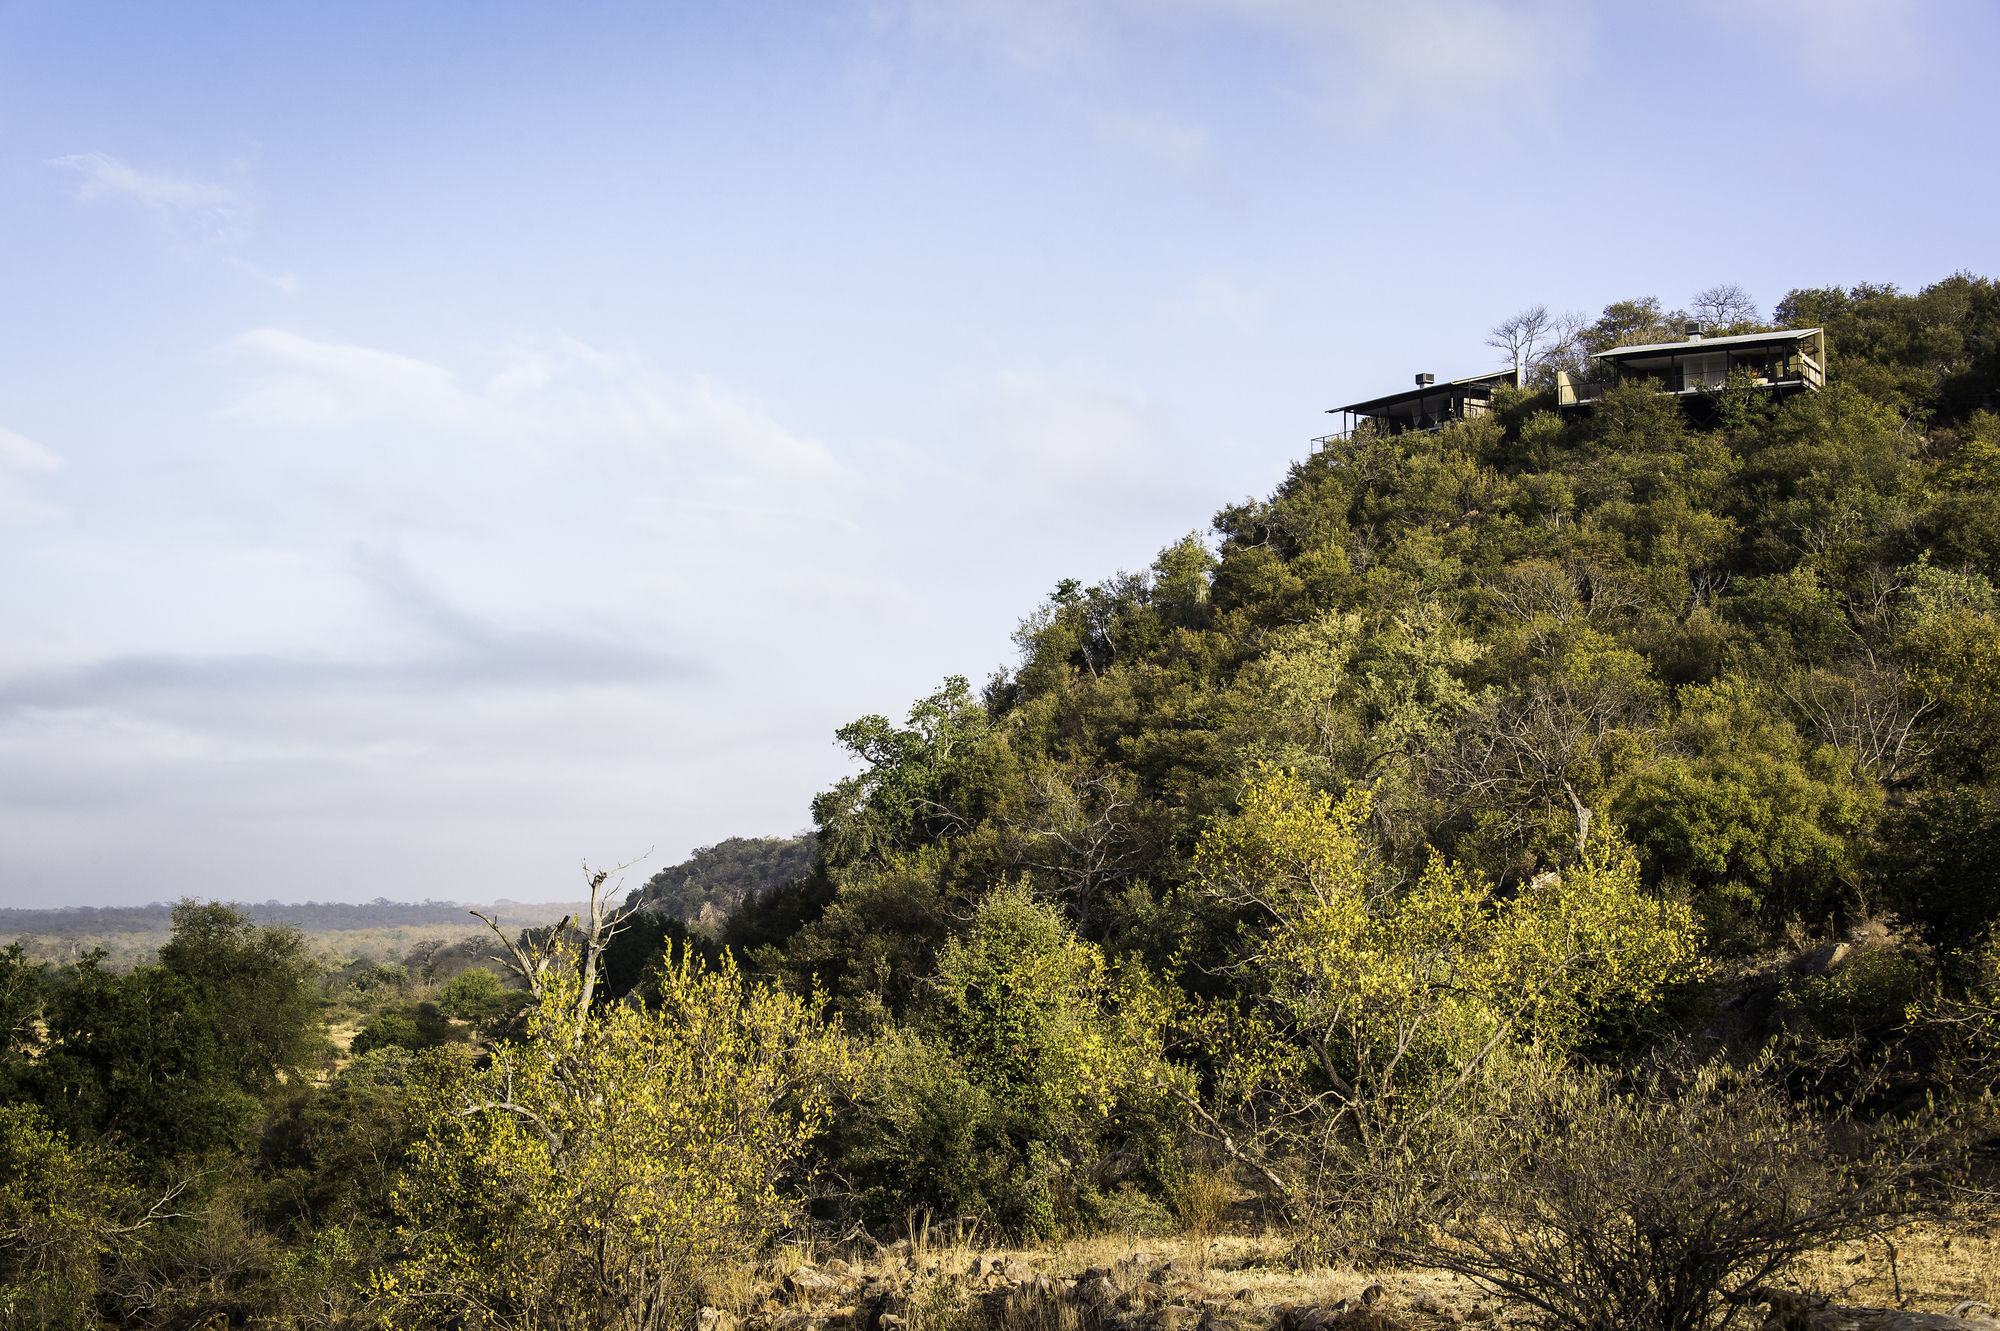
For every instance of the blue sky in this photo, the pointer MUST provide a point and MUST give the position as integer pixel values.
(440, 443)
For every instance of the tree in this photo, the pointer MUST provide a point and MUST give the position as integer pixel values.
(1630, 323)
(60, 1205)
(1380, 1005)
(1943, 866)
(139, 1059)
(1034, 1064)
(1546, 744)
(1724, 306)
(1745, 819)
(1535, 338)
(22, 983)
(595, 1168)
(257, 984)
(905, 790)
(178, 1058)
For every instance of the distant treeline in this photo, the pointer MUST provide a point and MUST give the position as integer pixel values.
(312, 917)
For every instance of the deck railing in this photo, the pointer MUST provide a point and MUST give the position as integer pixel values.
(1574, 392)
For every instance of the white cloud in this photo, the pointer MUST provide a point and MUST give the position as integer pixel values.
(1050, 427)
(1849, 45)
(287, 282)
(20, 458)
(215, 212)
(718, 448)
(1430, 59)
(298, 382)
(1436, 58)
(1037, 33)
(1181, 148)
(1215, 299)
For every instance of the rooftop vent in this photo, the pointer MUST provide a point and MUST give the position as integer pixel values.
(1426, 380)
(1692, 329)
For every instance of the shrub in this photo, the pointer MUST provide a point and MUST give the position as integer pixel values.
(477, 995)
(589, 1173)
(388, 1032)
(1657, 1205)
(1199, 1193)
(1033, 1062)
(1383, 1008)
(419, 1027)
(59, 1204)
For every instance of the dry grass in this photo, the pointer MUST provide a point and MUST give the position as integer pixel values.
(1928, 1267)
(1201, 1197)
(1936, 1267)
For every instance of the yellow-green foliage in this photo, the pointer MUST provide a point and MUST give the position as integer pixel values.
(1399, 994)
(590, 1172)
(1033, 1060)
(1039, 1015)
(59, 1205)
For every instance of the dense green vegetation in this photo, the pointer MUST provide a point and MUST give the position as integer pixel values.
(716, 879)
(1640, 763)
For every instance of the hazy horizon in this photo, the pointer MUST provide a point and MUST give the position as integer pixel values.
(438, 446)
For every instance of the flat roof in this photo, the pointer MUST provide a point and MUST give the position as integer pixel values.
(1495, 378)
(1739, 340)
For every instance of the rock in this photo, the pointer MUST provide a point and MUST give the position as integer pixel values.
(838, 1267)
(1245, 1294)
(1345, 1315)
(1094, 1273)
(1479, 1312)
(889, 1322)
(978, 1268)
(1795, 1312)
(1017, 1270)
(713, 1319)
(1373, 1295)
(1095, 1290)
(1307, 1317)
(1365, 1319)
(809, 1282)
(1173, 1318)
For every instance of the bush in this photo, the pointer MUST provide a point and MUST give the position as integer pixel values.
(419, 1027)
(1032, 1064)
(1657, 1205)
(590, 1173)
(479, 996)
(1199, 1193)
(59, 1205)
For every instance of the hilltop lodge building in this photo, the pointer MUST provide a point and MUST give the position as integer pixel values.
(1788, 361)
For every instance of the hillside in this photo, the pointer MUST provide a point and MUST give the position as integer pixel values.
(1542, 869)
(715, 880)
(1761, 649)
